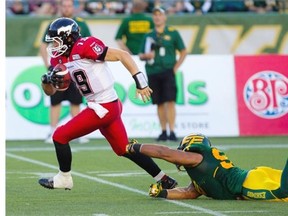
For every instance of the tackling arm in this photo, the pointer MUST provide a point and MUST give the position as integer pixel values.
(188, 192)
(188, 159)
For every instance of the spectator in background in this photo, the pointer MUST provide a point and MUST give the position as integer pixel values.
(66, 9)
(79, 8)
(108, 7)
(114, 7)
(43, 7)
(94, 7)
(262, 6)
(189, 6)
(166, 5)
(17, 7)
(159, 51)
(229, 6)
(201, 6)
(180, 7)
(133, 28)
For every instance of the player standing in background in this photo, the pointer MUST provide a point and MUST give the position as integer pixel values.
(213, 174)
(85, 58)
(133, 28)
(72, 95)
(159, 50)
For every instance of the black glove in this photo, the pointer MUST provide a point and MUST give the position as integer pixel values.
(51, 77)
(46, 78)
(50, 69)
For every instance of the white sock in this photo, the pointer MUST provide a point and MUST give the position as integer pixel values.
(159, 176)
(66, 174)
(63, 180)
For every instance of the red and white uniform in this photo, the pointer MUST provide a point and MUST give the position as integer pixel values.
(93, 78)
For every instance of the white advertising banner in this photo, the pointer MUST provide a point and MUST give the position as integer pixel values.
(206, 100)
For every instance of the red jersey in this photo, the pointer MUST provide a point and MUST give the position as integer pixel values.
(89, 71)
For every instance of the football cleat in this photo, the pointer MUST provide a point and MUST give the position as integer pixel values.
(46, 183)
(168, 183)
(57, 182)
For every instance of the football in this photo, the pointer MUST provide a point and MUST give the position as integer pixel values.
(61, 69)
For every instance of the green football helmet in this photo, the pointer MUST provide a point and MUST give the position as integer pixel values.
(191, 139)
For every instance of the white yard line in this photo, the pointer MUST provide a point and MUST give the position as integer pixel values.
(106, 148)
(102, 181)
(197, 212)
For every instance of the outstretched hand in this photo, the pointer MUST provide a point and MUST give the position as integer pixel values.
(144, 93)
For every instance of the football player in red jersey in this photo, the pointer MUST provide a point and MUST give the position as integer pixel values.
(86, 59)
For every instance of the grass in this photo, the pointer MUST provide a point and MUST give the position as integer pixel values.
(106, 185)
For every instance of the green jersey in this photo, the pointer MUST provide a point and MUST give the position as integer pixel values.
(165, 46)
(84, 30)
(133, 29)
(216, 176)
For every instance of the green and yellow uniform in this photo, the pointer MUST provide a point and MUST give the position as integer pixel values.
(133, 29)
(165, 46)
(218, 178)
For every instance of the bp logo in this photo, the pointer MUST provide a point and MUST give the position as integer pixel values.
(28, 98)
(266, 94)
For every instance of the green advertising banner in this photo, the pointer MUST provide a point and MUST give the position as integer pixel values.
(229, 33)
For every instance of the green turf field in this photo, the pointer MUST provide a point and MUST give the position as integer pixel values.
(107, 185)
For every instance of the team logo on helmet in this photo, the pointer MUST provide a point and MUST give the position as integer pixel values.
(67, 29)
(191, 139)
(266, 94)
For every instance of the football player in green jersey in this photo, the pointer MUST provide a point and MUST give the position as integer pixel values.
(213, 174)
